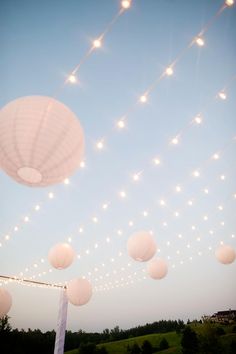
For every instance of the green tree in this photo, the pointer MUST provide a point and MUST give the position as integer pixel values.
(164, 344)
(189, 341)
(135, 349)
(101, 350)
(147, 347)
(209, 340)
(87, 348)
(5, 324)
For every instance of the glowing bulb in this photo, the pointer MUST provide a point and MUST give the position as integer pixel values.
(82, 164)
(190, 203)
(206, 191)
(205, 218)
(50, 195)
(26, 219)
(143, 99)
(193, 227)
(216, 157)
(121, 124)
(108, 239)
(136, 177)
(122, 194)
(119, 232)
(105, 206)
(66, 181)
(198, 119)
(175, 141)
(97, 43)
(229, 2)
(176, 213)
(222, 95)
(162, 202)
(164, 224)
(131, 223)
(169, 71)
(145, 213)
(96, 245)
(37, 207)
(220, 207)
(222, 177)
(100, 145)
(126, 4)
(196, 173)
(87, 251)
(16, 228)
(200, 41)
(81, 230)
(69, 239)
(95, 219)
(178, 189)
(72, 79)
(7, 237)
(156, 161)
(180, 236)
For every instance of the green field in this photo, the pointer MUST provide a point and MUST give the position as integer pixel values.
(174, 339)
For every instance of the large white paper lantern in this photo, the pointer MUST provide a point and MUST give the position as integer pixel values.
(61, 255)
(157, 268)
(141, 246)
(225, 254)
(79, 291)
(41, 140)
(5, 302)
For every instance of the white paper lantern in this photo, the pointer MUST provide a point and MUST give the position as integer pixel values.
(157, 268)
(41, 141)
(141, 246)
(79, 291)
(5, 302)
(61, 256)
(225, 254)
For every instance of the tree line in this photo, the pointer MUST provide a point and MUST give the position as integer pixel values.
(35, 341)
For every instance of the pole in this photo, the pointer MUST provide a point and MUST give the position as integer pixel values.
(61, 324)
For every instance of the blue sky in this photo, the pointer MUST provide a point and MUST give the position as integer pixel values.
(41, 43)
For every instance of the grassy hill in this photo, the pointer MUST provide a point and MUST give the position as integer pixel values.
(174, 340)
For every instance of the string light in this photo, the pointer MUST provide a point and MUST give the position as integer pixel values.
(169, 71)
(72, 79)
(222, 95)
(157, 161)
(229, 2)
(66, 181)
(121, 124)
(122, 194)
(50, 195)
(143, 98)
(216, 156)
(200, 41)
(175, 140)
(126, 4)
(198, 119)
(36, 208)
(178, 189)
(97, 43)
(196, 173)
(100, 145)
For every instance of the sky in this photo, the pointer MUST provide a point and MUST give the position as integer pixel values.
(41, 43)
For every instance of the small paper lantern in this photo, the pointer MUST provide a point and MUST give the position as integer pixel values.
(225, 254)
(141, 246)
(79, 291)
(5, 302)
(157, 268)
(61, 256)
(41, 141)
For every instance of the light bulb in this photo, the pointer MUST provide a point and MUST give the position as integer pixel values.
(126, 4)
(222, 95)
(143, 99)
(200, 41)
(72, 79)
(97, 43)
(169, 71)
(229, 2)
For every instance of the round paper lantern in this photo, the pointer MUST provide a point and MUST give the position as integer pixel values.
(5, 302)
(157, 268)
(41, 141)
(79, 291)
(225, 254)
(61, 256)
(141, 246)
